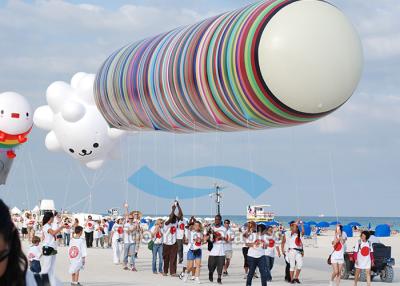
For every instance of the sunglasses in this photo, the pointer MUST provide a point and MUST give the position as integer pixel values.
(4, 254)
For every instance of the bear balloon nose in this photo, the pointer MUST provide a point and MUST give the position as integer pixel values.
(84, 151)
(14, 115)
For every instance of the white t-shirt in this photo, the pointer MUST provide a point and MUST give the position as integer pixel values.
(105, 228)
(48, 240)
(77, 250)
(181, 230)
(339, 249)
(258, 249)
(293, 241)
(364, 250)
(219, 242)
(158, 237)
(89, 226)
(118, 231)
(170, 233)
(228, 242)
(127, 233)
(24, 222)
(34, 253)
(271, 243)
(195, 240)
(67, 228)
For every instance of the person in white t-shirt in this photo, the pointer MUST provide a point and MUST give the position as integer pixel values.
(228, 246)
(24, 229)
(77, 255)
(337, 256)
(49, 244)
(272, 246)
(292, 246)
(157, 236)
(195, 241)
(179, 238)
(67, 231)
(34, 255)
(216, 258)
(117, 235)
(256, 256)
(89, 229)
(129, 244)
(364, 257)
(170, 246)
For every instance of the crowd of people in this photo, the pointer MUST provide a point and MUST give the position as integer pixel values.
(174, 242)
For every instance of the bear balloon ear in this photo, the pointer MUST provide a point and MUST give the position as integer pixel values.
(83, 83)
(43, 117)
(75, 80)
(52, 142)
(73, 111)
(57, 93)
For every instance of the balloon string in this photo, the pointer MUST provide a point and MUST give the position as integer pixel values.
(67, 188)
(26, 188)
(140, 164)
(294, 174)
(333, 185)
(77, 203)
(35, 176)
(250, 152)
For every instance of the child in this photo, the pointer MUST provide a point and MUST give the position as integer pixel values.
(34, 255)
(77, 255)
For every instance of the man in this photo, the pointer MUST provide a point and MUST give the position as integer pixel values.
(179, 239)
(129, 244)
(216, 258)
(89, 228)
(228, 245)
(170, 246)
(292, 248)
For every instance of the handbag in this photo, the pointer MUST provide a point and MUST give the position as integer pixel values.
(150, 245)
(48, 251)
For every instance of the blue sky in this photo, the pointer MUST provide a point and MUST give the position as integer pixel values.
(45, 41)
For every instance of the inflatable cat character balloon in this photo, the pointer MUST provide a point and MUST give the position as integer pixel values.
(76, 126)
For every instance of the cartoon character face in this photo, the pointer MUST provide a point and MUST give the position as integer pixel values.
(16, 116)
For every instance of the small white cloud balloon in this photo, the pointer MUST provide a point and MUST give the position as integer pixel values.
(75, 124)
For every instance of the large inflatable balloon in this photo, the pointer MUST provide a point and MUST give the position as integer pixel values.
(271, 64)
(15, 125)
(75, 124)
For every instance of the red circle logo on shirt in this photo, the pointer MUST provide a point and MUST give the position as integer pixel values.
(158, 235)
(338, 246)
(365, 251)
(297, 241)
(181, 226)
(73, 252)
(120, 230)
(31, 256)
(198, 241)
(89, 224)
(172, 230)
(271, 243)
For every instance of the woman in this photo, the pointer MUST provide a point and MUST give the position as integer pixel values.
(292, 245)
(49, 244)
(67, 231)
(251, 227)
(196, 240)
(364, 258)
(157, 236)
(272, 247)
(13, 262)
(117, 234)
(256, 256)
(337, 256)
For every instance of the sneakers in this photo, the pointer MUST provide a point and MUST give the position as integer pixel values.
(125, 268)
(296, 281)
(219, 281)
(197, 280)
(225, 273)
(255, 275)
(192, 278)
(133, 269)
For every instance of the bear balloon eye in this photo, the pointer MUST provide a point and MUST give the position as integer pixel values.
(71, 150)
(27, 114)
(95, 145)
(2, 112)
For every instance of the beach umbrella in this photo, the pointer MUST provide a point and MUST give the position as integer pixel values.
(323, 224)
(354, 223)
(311, 222)
(335, 223)
(15, 211)
(348, 229)
(382, 230)
(369, 225)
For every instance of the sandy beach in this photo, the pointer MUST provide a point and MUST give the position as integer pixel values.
(101, 271)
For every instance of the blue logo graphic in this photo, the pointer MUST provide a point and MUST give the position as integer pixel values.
(150, 182)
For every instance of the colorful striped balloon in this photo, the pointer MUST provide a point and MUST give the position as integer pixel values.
(214, 75)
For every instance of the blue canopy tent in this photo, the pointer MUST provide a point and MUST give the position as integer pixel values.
(323, 224)
(382, 230)
(334, 223)
(269, 223)
(348, 229)
(307, 229)
(311, 222)
(354, 223)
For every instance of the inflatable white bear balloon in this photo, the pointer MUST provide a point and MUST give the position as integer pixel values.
(75, 124)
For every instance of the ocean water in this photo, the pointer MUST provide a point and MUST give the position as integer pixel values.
(394, 222)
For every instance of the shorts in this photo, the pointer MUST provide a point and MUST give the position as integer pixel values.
(228, 254)
(295, 260)
(35, 266)
(59, 236)
(194, 254)
(337, 261)
(24, 230)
